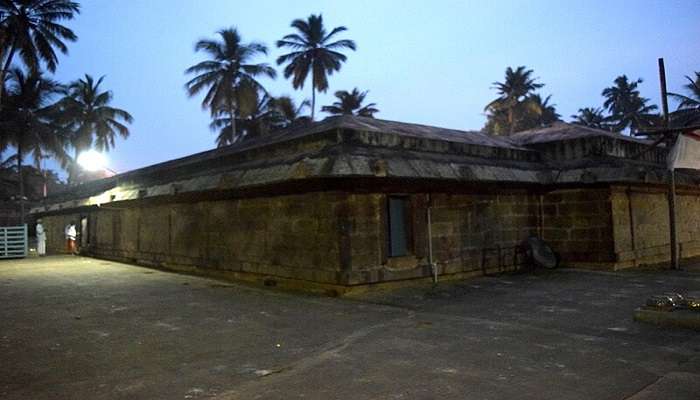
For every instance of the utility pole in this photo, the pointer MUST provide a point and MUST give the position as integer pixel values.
(672, 173)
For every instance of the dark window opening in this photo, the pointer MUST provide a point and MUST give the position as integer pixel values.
(398, 226)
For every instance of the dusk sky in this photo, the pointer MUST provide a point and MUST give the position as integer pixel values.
(428, 62)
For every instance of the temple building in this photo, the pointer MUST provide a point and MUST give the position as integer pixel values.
(353, 201)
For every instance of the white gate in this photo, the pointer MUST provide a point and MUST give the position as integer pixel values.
(13, 241)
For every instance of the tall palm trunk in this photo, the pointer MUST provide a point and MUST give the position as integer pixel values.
(5, 68)
(232, 111)
(73, 173)
(313, 93)
(20, 180)
(510, 120)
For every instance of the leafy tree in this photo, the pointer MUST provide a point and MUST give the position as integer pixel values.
(313, 51)
(688, 111)
(89, 118)
(229, 76)
(628, 109)
(32, 29)
(350, 103)
(692, 100)
(541, 112)
(254, 124)
(512, 110)
(592, 118)
(269, 114)
(27, 121)
(286, 113)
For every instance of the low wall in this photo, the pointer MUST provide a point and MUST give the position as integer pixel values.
(287, 236)
(641, 225)
(577, 224)
(471, 233)
(341, 238)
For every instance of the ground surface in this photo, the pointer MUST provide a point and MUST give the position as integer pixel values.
(79, 328)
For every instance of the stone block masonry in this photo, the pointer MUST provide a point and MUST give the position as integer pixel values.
(292, 237)
(341, 238)
(641, 225)
(577, 224)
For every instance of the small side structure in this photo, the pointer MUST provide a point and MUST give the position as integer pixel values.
(345, 202)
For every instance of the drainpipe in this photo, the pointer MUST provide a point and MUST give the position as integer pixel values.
(433, 264)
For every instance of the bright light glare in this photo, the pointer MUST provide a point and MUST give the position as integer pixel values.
(92, 160)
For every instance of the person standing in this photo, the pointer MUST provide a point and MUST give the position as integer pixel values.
(71, 234)
(40, 239)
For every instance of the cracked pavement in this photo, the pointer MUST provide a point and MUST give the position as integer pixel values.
(75, 327)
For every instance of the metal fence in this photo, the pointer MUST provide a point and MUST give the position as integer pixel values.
(13, 241)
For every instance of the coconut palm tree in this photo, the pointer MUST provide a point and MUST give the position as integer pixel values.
(592, 118)
(627, 107)
(313, 51)
(229, 76)
(286, 113)
(688, 111)
(88, 116)
(541, 111)
(350, 103)
(87, 109)
(256, 122)
(27, 122)
(32, 29)
(692, 101)
(510, 106)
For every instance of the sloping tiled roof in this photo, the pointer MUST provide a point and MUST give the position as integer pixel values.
(560, 131)
(378, 125)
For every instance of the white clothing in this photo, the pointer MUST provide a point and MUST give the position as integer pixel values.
(40, 239)
(71, 233)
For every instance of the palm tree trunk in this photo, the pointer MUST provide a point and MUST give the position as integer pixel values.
(313, 93)
(510, 120)
(6, 67)
(232, 111)
(313, 102)
(21, 183)
(73, 173)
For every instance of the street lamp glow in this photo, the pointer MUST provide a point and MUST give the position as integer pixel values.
(92, 160)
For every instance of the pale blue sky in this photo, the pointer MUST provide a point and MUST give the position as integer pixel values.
(429, 62)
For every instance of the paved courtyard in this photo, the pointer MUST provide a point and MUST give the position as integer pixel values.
(80, 328)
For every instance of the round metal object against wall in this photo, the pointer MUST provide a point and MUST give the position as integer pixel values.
(542, 254)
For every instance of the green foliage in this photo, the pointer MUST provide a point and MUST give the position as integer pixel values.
(692, 100)
(315, 51)
(350, 103)
(628, 109)
(28, 121)
(229, 77)
(592, 118)
(285, 112)
(518, 107)
(32, 29)
(89, 117)
(269, 114)
(688, 111)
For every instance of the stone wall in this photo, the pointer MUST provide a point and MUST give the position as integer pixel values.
(641, 225)
(286, 236)
(481, 232)
(471, 233)
(341, 238)
(577, 224)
